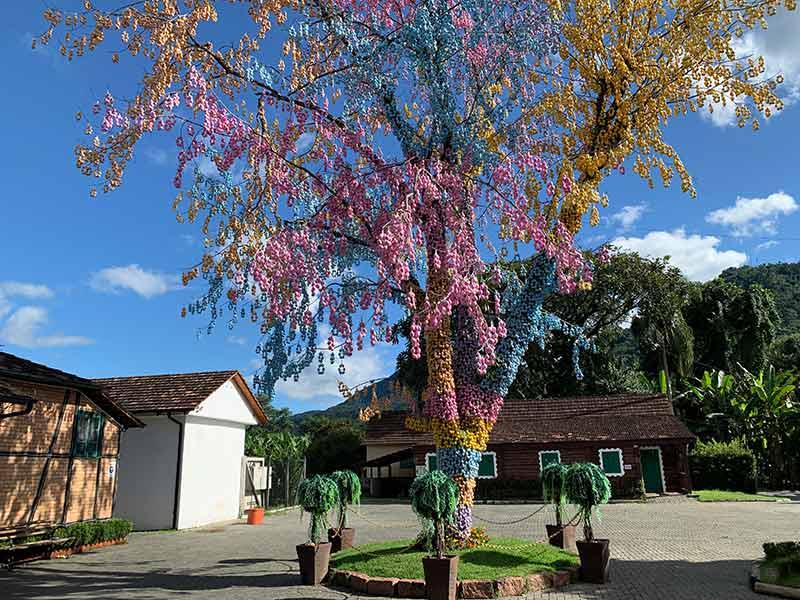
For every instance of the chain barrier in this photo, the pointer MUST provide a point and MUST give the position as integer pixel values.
(403, 525)
(536, 512)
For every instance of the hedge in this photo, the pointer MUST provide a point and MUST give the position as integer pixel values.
(723, 466)
(92, 532)
(781, 549)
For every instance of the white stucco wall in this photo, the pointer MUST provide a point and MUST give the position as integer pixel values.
(226, 403)
(213, 447)
(211, 472)
(146, 472)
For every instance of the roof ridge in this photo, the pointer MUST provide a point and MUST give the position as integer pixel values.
(154, 375)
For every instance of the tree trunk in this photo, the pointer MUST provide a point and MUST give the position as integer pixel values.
(665, 366)
(288, 480)
(269, 481)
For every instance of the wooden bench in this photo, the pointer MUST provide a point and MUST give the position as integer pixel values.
(19, 550)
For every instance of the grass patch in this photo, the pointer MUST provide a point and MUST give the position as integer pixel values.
(729, 496)
(770, 574)
(516, 557)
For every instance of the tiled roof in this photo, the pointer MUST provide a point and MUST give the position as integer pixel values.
(180, 392)
(552, 420)
(15, 367)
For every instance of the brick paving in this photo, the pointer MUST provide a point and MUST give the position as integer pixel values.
(677, 550)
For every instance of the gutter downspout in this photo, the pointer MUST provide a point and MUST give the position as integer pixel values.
(176, 498)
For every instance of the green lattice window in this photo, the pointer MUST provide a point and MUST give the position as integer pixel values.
(548, 457)
(488, 467)
(430, 461)
(87, 441)
(611, 462)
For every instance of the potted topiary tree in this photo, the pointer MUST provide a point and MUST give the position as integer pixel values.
(434, 497)
(316, 495)
(586, 486)
(560, 535)
(342, 536)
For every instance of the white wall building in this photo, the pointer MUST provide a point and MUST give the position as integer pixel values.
(183, 469)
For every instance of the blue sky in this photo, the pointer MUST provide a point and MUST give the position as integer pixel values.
(91, 286)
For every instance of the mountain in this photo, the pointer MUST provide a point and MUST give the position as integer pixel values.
(784, 281)
(386, 394)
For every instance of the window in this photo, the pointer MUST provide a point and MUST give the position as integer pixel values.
(611, 462)
(488, 467)
(407, 463)
(548, 457)
(88, 434)
(430, 461)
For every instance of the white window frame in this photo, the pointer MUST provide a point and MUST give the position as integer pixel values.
(621, 461)
(494, 460)
(660, 465)
(547, 452)
(427, 463)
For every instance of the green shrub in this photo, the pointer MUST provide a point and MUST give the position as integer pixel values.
(553, 486)
(434, 497)
(93, 532)
(723, 466)
(586, 486)
(317, 495)
(781, 549)
(349, 486)
(628, 488)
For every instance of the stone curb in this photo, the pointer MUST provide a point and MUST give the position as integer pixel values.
(391, 587)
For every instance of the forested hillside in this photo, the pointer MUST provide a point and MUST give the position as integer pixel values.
(784, 281)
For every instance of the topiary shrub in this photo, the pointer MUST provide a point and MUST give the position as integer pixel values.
(553, 486)
(586, 486)
(723, 466)
(434, 497)
(349, 486)
(317, 495)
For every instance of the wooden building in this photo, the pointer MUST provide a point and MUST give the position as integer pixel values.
(632, 438)
(59, 446)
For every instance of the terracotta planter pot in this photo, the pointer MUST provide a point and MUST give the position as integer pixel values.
(341, 539)
(255, 516)
(562, 537)
(594, 560)
(441, 577)
(313, 562)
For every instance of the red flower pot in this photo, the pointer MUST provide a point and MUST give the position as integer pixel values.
(255, 516)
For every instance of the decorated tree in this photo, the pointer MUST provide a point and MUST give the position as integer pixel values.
(371, 154)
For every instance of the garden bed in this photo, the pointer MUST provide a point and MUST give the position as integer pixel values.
(506, 567)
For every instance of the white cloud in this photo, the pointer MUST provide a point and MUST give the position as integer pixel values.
(304, 142)
(132, 277)
(752, 215)
(237, 339)
(22, 329)
(10, 289)
(697, 256)
(780, 47)
(628, 215)
(361, 367)
(767, 244)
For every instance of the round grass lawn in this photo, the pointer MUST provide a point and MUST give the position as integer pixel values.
(499, 558)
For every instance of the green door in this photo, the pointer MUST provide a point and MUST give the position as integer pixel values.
(651, 470)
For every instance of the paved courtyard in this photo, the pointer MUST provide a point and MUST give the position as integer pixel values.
(671, 548)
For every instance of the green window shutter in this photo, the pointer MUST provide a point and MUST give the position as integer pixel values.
(487, 467)
(407, 463)
(432, 463)
(86, 442)
(549, 457)
(611, 462)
